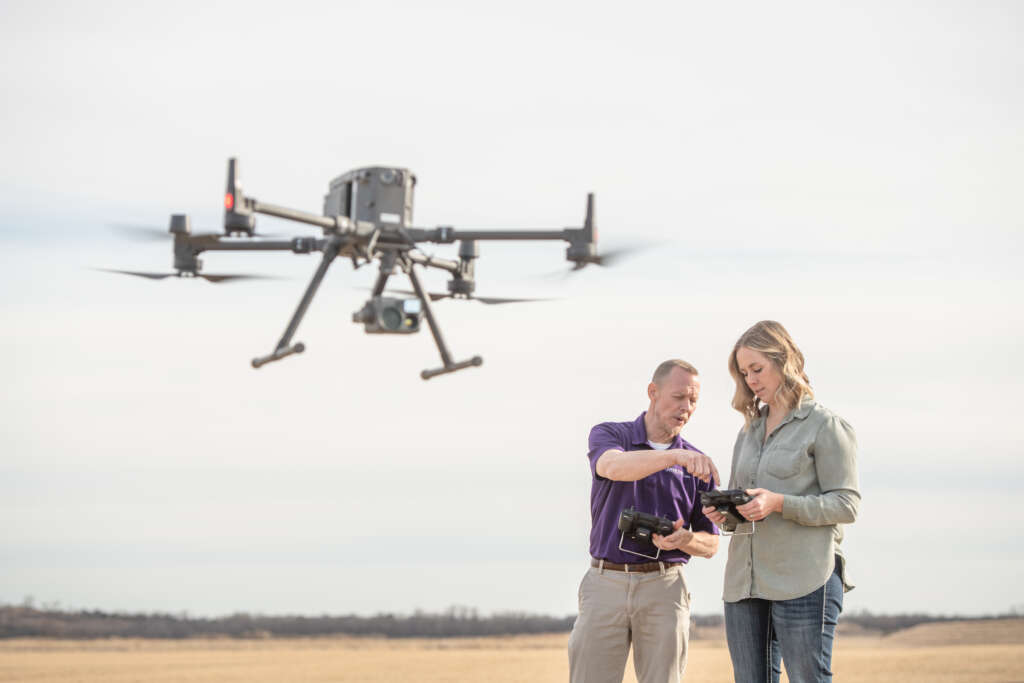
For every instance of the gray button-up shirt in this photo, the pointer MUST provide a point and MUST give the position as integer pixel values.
(810, 458)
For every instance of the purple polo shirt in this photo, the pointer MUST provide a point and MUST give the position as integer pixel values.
(671, 493)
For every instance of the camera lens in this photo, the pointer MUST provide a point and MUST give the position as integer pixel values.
(391, 318)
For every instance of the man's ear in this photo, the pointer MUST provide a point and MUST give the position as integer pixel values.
(652, 390)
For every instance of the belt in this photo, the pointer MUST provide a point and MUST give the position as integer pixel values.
(640, 568)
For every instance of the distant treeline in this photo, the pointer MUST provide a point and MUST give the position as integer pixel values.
(889, 623)
(19, 622)
(24, 621)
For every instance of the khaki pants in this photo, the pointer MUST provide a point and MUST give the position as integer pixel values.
(650, 610)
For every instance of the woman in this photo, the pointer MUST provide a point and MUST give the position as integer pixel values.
(784, 582)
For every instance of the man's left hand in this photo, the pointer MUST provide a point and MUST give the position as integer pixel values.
(677, 538)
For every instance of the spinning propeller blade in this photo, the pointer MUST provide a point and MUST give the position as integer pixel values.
(608, 259)
(614, 256)
(140, 233)
(216, 279)
(499, 300)
(151, 276)
(151, 233)
(436, 296)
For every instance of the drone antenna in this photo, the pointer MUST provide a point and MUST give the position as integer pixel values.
(589, 229)
(238, 215)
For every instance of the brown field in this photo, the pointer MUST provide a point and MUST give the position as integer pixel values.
(958, 651)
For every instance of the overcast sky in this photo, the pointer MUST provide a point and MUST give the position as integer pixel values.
(851, 171)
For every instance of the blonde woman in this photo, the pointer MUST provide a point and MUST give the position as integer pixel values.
(784, 583)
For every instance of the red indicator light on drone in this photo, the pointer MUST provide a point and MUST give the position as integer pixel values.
(229, 201)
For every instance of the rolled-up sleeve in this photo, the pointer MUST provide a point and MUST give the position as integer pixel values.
(835, 459)
(603, 438)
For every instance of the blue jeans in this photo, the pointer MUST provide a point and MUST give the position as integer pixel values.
(764, 633)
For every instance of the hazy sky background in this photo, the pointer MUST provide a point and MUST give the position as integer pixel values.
(852, 171)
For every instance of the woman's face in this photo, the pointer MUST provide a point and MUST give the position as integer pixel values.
(759, 372)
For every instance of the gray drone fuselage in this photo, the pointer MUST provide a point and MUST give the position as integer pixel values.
(376, 194)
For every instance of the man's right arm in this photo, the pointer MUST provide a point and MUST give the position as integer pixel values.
(634, 465)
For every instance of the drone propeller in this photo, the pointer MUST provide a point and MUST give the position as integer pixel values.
(151, 233)
(140, 233)
(216, 279)
(437, 296)
(615, 256)
(608, 259)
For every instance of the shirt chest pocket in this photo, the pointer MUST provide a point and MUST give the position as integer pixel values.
(786, 462)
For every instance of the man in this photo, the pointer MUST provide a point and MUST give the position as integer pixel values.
(626, 598)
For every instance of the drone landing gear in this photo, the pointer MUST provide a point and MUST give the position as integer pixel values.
(452, 367)
(278, 354)
(331, 249)
(284, 347)
(435, 330)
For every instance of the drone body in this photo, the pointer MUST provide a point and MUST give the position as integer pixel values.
(378, 195)
(367, 218)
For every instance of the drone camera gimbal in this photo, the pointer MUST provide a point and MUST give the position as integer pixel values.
(389, 315)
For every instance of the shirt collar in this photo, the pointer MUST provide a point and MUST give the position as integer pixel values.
(799, 413)
(638, 434)
(804, 409)
(638, 430)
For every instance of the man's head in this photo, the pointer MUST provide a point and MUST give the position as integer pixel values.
(674, 390)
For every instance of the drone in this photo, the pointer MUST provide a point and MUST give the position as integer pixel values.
(367, 218)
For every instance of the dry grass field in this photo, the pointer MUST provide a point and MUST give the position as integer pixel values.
(990, 651)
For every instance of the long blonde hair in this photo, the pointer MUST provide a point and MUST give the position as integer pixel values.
(771, 339)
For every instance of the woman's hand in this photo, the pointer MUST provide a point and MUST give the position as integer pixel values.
(765, 502)
(714, 515)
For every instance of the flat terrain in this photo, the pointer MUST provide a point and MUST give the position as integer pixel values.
(988, 651)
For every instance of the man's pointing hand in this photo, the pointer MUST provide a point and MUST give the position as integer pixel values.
(697, 464)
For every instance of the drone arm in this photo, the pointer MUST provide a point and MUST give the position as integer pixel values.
(432, 262)
(582, 241)
(447, 235)
(329, 223)
(299, 245)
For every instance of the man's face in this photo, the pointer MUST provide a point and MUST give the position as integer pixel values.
(673, 402)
